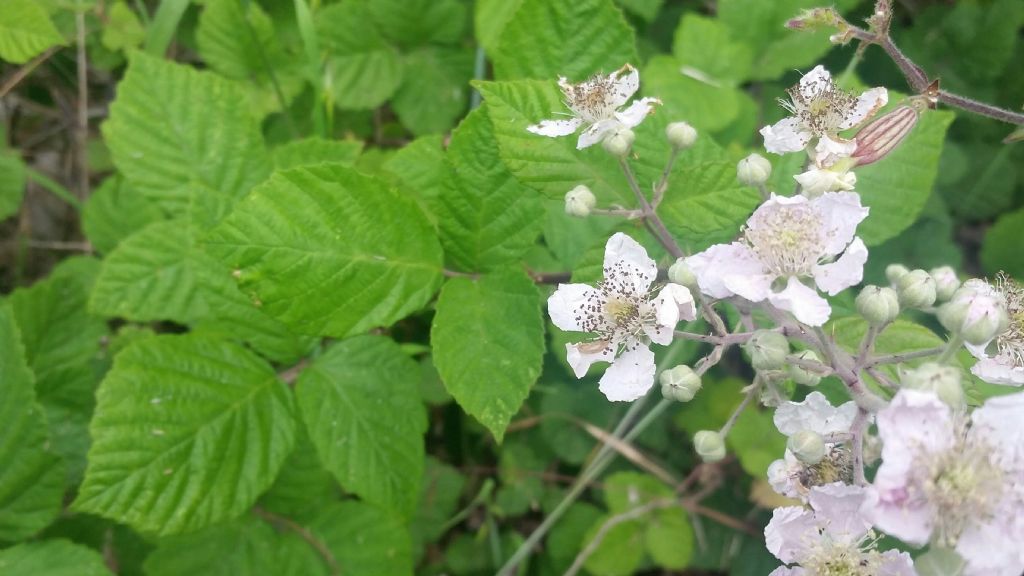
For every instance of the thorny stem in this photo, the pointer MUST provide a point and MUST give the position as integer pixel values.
(857, 430)
(662, 186)
(902, 357)
(728, 339)
(657, 227)
(867, 345)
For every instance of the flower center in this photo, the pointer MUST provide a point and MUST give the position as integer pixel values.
(820, 105)
(844, 557)
(617, 312)
(593, 100)
(788, 238)
(621, 310)
(962, 484)
(836, 466)
(1010, 344)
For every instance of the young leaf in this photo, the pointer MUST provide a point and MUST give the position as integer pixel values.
(361, 404)
(188, 431)
(488, 338)
(1001, 250)
(435, 91)
(364, 69)
(410, 23)
(52, 558)
(25, 30)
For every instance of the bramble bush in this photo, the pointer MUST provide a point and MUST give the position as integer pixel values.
(314, 287)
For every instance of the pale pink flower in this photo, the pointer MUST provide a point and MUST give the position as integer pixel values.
(1000, 361)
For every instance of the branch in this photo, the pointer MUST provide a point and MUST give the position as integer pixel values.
(902, 357)
(611, 523)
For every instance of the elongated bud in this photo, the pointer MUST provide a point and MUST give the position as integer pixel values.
(619, 143)
(709, 445)
(802, 375)
(816, 19)
(876, 140)
(680, 383)
(807, 446)
(767, 350)
(680, 273)
(943, 380)
(680, 135)
(753, 170)
(579, 201)
(893, 272)
(878, 306)
(946, 282)
(916, 289)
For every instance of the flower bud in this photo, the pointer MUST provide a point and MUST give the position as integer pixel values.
(894, 272)
(767, 350)
(619, 143)
(916, 289)
(680, 273)
(680, 135)
(876, 140)
(816, 19)
(753, 170)
(807, 446)
(946, 282)
(816, 182)
(878, 306)
(943, 380)
(976, 312)
(709, 445)
(680, 383)
(802, 375)
(579, 201)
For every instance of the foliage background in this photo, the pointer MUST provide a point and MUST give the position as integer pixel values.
(319, 208)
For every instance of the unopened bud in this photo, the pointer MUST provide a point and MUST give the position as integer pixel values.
(619, 143)
(680, 383)
(680, 273)
(807, 446)
(709, 445)
(816, 19)
(916, 289)
(816, 182)
(976, 312)
(943, 380)
(946, 282)
(805, 376)
(579, 201)
(893, 272)
(753, 170)
(767, 350)
(878, 305)
(876, 140)
(680, 135)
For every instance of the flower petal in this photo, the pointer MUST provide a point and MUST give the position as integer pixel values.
(555, 128)
(999, 422)
(731, 269)
(636, 112)
(624, 257)
(630, 376)
(817, 181)
(625, 81)
(811, 82)
(580, 356)
(816, 414)
(805, 303)
(837, 507)
(990, 550)
(993, 371)
(566, 306)
(829, 150)
(847, 271)
(783, 474)
(597, 132)
(867, 104)
(790, 533)
(786, 135)
(842, 212)
(674, 301)
(896, 563)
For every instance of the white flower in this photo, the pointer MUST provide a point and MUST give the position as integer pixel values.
(832, 538)
(624, 317)
(820, 110)
(955, 484)
(785, 242)
(595, 105)
(1001, 361)
(794, 479)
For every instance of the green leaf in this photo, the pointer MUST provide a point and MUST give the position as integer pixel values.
(899, 337)
(364, 69)
(362, 407)
(575, 39)
(420, 170)
(122, 30)
(114, 212)
(52, 558)
(489, 20)
(364, 540)
(704, 105)
(645, 9)
(32, 478)
(235, 41)
(989, 188)
(25, 30)
(434, 93)
(756, 441)
(620, 552)
(707, 46)
(1001, 249)
(666, 531)
(488, 339)
(369, 254)
(172, 129)
(439, 497)
(409, 23)
(309, 151)
(188, 431)
(12, 183)
(486, 217)
(303, 485)
(939, 562)
(566, 538)
(565, 438)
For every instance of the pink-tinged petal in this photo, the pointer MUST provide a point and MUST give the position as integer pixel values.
(790, 533)
(816, 78)
(782, 475)
(838, 507)
(625, 81)
(841, 212)
(581, 356)
(635, 113)
(596, 133)
(786, 135)
(914, 421)
(787, 571)
(626, 258)
(847, 271)
(704, 266)
(816, 414)
(722, 264)
(898, 514)
(566, 306)
(868, 103)
(829, 150)
(555, 128)
(991, 550)
(630, 376)
(896, 563)
(998, 422)
(804, 303)
(683, 309)
(994, 372)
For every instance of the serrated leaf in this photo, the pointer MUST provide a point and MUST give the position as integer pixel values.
(360, 401)
(1001, 249)
(173, 128)
(235, 41)
(704, 44)
(188, 431)
(488, 339)
(435, 89)
(25, 30)
(489, 20)
(52, 558)
(989, 188)
(12, 183)
(303, 484)
(32, 478)
(575, 39)
(122, 30)
(420, 170)
(114, 212)
(410, 23)
(309, 151)
(706, 205)
(368, 253)
(364, 540)
(704, 105)
(486, 217)
(363, 69)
